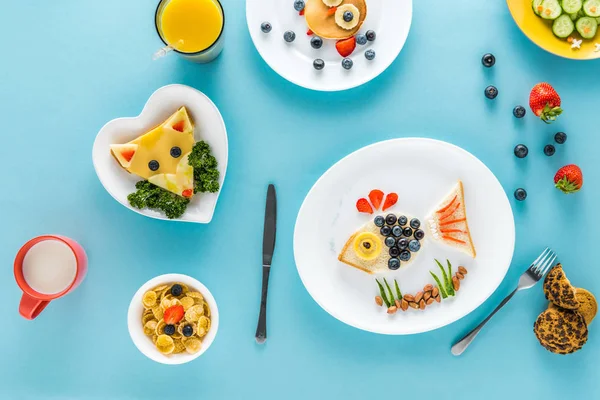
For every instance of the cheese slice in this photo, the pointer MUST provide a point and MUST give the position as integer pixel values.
(181, 182)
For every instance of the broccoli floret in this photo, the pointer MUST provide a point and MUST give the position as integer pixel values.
(206, 174)
(156, 198)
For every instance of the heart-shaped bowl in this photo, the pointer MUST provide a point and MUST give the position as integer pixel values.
(209, 126)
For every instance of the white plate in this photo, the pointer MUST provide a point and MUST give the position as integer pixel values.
(422, 172)
(209, 126)
(390, 19)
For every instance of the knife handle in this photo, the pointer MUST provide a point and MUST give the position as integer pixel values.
(261, 329)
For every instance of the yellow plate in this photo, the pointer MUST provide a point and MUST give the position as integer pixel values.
(539, 31)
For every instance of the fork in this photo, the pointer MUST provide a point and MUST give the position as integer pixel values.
(529, 278)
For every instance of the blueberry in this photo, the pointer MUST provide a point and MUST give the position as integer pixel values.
(153, 165)
(316, 42)
(415, 223)
(361, 39)
(379, 221)
(187, 331)
(299, 5)
(560, 137)
(491, 92)
(176, 290)
(266, 27)
(402, 244)
(519, 111)
(393, 263)
(319, 64)
(414, 245)
(175, 152)
(390, 219)
(169, 329)
(402, 220)
(397, 231)
(521, 151)
(488, 60)
(385, 230)
(347, 63)
(390, 241)
(348, 16)
(407, 232)
(370, 54)
(394, 252)
(419, 234)
(289, 36)
(371, 36)
(405, 255)
(549, 150)
(520, 194)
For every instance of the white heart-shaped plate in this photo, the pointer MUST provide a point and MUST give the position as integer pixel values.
(209, 126)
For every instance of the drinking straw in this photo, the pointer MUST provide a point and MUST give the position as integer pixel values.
(163, 51)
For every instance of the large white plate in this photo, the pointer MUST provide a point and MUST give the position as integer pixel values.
(390, 19)
(421, 171)
(208, 126)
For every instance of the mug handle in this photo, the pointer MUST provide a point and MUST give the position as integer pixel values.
(31, 307)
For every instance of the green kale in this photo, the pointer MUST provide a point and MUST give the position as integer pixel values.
(155, 198)
(206, 174)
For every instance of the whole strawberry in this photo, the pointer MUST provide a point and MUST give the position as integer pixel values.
(569, 179)
(545, 102)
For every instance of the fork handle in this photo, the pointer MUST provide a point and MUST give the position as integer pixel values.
(459, 347)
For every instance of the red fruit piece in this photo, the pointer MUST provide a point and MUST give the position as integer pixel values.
(187, 193)
(309, 32)
(363, 206)
(545, 102)
(569, 179)
(173, 314)
(128, 154)
(346, 46)
(390, 200)
(376, 197)
(178, 126)
(332, 11)
(301, 12)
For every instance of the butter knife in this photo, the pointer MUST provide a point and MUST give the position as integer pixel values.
(268, 249)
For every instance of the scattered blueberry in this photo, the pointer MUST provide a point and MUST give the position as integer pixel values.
(390, 241)
(521, 151)
(316, 42)
(299, 5)
(414, 246)
(394, 252)
(361, 39)
(371, 36)
(370, 54)
(491, 92)
(289, 36)
(176, 290)
(488, 60)
(393, 263)
(169, 329)
(520, 194)
(319, 64)
(407, 232)
(519, 111)
(560, 137)
(419, 234)
(348, 16)
(385, 230)
(549, 150)
(379, 221)
(402, 244)
(153, 165)
(402, 220)
(175, 152)
(390, 219)
(266, 27)
(347, 63)
(397, 231)
(405, 255)
(187, 331)
(415, 223)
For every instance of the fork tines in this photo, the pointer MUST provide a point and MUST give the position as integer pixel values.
(543, 263)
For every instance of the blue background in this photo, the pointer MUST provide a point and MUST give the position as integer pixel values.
(67, 67)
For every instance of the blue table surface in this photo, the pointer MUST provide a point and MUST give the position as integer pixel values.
(67, 67)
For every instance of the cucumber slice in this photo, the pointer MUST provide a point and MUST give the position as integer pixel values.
(598, 20)
(587, 27)
(563, 26)
(591, 8)
(537, 6)
(574, 16)
(571, 6)
(552, 9)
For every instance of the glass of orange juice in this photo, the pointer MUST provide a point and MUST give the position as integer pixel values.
(194, 28)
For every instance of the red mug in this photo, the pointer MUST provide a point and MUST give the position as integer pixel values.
(33, 302)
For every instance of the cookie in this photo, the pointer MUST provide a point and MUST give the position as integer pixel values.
(561, 331)
(588, 306)
(558, 289)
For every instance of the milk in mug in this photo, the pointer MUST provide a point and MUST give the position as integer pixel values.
(49, 267)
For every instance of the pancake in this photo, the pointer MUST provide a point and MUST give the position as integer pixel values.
(588, 306)
(561, 331)
(559, 290)
(323, 25)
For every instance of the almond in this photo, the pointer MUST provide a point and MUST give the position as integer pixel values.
(392, 310)
(409, 297)
(428, 288)
(435, 292)
(462, 270)
(404, 305)
(427, 296)
(429, 301)
(460, 276)
(412, 304)
(379, 300)
(455, 283)
(418, 297)
(438, 298)
(397, 302)
(422, 304)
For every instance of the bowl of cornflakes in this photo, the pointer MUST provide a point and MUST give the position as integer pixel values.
(173, 319)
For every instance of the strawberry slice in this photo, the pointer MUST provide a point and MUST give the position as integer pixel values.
(128, 154)
(346, 46)
(187, 193)
(376, 197)
(301, 12)
(309, 33)
(390, 200)
(363, 206)
(173, 314)
(331, 11)
(179, 126)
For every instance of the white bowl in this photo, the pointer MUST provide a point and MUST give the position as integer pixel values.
(209, 126)
(144, 343)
